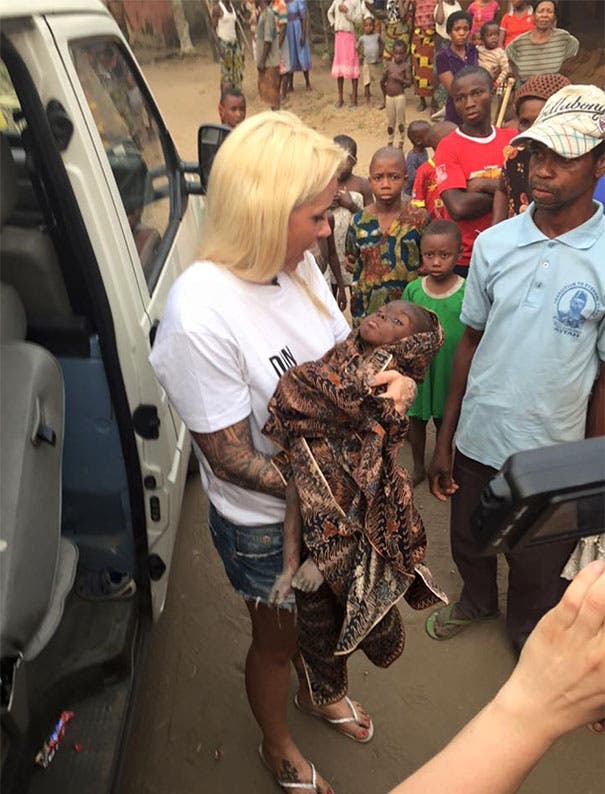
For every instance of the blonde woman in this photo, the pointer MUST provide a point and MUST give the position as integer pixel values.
(256, 305)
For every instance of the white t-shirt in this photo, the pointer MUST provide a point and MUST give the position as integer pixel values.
(221, 347)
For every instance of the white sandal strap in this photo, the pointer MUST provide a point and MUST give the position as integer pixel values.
(312, 786)
(343, 720)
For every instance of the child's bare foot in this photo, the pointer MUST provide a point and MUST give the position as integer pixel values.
(381, 106)
(308, 577)
(288, 766)
(338, 104)
(419, 475)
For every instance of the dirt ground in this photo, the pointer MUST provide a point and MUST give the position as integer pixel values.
(193, 731)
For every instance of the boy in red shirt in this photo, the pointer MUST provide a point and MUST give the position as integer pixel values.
(469, 160)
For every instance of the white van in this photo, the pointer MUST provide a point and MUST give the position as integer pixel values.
(98, 217)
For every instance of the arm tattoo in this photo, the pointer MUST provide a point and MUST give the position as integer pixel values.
(232, 457)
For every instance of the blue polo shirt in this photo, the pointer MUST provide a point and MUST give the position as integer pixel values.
(540, 304)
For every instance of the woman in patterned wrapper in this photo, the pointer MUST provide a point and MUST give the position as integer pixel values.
(364, 541)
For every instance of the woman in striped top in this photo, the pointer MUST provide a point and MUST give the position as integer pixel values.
(545, 48)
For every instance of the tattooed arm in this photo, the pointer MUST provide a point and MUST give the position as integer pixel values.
(232, 456)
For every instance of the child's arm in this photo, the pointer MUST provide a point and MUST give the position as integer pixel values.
(352, 248)
(335, 267)
(380, 47)
(384, 78)
(291, 547)
(360, 50)
(407, 75)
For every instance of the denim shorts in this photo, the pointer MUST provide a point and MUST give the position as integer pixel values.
(252, 556)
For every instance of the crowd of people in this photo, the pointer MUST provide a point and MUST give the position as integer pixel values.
(475, 285)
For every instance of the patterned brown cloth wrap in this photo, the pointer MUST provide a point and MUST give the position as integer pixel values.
(341, 442)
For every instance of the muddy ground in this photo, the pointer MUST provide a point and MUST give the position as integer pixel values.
(193, 732)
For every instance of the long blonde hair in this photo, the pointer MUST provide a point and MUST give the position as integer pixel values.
(268, 166)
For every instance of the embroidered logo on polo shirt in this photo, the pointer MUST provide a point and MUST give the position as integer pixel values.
(575, 303)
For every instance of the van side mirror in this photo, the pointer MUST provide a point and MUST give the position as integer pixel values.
(209, 139)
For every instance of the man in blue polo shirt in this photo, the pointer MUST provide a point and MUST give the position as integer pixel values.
(529, 369)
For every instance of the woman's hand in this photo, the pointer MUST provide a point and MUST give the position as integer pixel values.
(559, 682)
(350, 263)
(400, 388)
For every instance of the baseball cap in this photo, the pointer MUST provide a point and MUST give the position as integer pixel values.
(571, 123)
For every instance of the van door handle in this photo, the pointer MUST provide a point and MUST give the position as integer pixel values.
(146, 421)
(153, 332)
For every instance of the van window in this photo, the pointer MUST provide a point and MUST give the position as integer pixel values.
(133, 144)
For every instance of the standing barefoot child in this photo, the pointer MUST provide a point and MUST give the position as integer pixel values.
(352, 194)
(382, 244)
(396, 78)
(369, 48)
(441, 291)
(343, 15)
(418, 133)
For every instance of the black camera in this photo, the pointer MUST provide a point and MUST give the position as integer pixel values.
(543, 495)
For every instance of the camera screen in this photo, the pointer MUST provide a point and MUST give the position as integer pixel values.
(576, 515)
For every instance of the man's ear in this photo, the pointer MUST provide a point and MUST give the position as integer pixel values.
(600, 166)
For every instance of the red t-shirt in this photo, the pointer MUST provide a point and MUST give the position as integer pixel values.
(515, 26)
(459, 158)
(425, 193)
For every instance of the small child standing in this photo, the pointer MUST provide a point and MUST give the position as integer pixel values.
(441, 291)
(424, 191)
(396, 78)
(352, 194)
(343, 15)
(491, 56)
(369, 48)
(382, 243)
(417, 135)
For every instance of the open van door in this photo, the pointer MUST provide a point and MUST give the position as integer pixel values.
(139, 192)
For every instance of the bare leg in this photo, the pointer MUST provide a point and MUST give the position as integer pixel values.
(274, 642)
(417, 436)
(355, 84)
(366, 93)
(340, 82)
(307, 81)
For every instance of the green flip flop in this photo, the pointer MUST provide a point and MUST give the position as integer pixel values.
(441, 625)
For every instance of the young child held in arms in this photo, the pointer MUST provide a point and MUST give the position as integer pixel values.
(396, 78)
(441, 291)
(364, 538)
(417, 133)
(424, 191)
(369, 48)
(382, 243)
(493, 57)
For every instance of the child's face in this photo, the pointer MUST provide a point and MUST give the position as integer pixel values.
(368, 26)
(399, 54)
(439, 254)
(417, 136)
(459, 34)
(347, 168)
(387, 175)
(387, 325)
(233, 112)
(490, 37)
